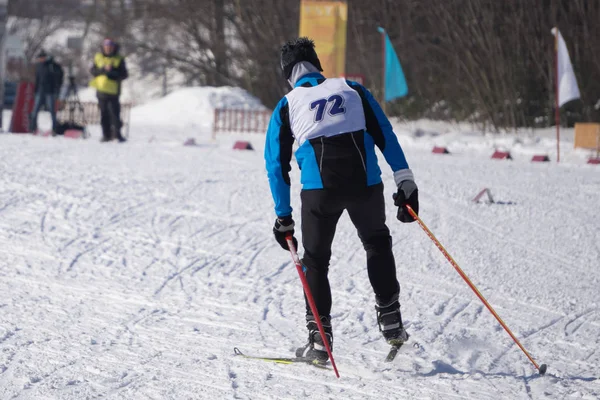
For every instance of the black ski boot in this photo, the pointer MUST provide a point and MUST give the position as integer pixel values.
(315, 349)
(389, 320)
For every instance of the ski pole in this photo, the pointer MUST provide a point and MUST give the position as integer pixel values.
(311, 301)
(541, 368)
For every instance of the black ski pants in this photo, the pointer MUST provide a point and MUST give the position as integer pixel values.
(110, 115)
(321, 210)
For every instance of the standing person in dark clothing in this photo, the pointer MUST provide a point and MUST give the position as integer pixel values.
(109, 71)
(337, 124)
(48, 81)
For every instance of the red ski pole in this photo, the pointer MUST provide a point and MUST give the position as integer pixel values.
(541, 368)
(311, 301)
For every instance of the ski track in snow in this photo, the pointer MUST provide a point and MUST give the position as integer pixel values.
(131, 272)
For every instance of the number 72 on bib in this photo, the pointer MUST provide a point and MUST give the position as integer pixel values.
(334, 105)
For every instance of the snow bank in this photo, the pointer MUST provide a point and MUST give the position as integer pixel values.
(189, 112)
(193, 106)
(465, 139)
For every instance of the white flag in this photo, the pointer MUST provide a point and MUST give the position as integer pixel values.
(567, 84)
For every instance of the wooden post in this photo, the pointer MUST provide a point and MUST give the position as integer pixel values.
(215, 124)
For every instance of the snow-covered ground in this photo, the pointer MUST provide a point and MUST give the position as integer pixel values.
(132, 271)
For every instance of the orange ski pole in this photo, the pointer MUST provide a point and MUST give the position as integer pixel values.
(541, 368)
(311, 301)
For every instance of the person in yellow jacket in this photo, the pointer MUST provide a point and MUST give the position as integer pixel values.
(109, 70)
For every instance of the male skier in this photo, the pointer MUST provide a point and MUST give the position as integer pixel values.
(337, 123)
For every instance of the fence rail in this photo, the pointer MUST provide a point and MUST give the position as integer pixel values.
(241, 120)
(88, 113)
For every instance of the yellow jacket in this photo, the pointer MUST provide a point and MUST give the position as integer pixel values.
(108, 82)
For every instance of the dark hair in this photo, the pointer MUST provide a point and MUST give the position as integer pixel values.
(295, 51)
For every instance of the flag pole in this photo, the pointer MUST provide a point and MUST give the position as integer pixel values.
(556, 87)
(383, 66)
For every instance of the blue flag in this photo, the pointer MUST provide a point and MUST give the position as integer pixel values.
(395, 82)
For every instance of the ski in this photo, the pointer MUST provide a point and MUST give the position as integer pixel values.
(393, 351)
(281, 360)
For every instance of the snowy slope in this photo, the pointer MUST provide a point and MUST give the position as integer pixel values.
(187, 113)
(470, 140)
(131, 271)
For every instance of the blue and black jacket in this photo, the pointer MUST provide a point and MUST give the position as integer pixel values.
(339, 161)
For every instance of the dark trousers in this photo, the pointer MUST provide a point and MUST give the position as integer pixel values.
(110, 115)
(321, 210)
(48, 100)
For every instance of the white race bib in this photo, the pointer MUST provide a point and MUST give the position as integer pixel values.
(328, 109)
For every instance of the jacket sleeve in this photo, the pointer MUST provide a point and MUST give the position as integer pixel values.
(95, 71)
(380, 128)
(120, 73)
(278, 156)
(60, 76)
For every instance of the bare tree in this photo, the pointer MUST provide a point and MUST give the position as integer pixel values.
(486, 61)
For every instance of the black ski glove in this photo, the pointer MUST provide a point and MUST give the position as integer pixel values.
(407, 194)
(282, 227)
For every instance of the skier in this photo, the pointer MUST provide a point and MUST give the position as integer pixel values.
(336, 123)
(109, 71)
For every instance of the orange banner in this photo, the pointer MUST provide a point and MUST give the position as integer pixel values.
(325, 22)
